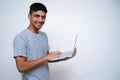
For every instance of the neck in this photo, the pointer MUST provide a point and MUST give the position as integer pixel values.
(32, 29)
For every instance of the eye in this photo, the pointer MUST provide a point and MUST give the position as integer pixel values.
(43, 17)
(37, 16)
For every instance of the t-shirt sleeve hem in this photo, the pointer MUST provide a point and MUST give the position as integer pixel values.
(19, 56)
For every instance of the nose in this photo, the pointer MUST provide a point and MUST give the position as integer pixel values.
(41, 19)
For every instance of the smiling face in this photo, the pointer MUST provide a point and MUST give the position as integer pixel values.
(37, 19)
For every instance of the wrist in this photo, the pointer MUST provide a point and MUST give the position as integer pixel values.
(46, 58)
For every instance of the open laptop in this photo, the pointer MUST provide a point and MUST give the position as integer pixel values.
(67, 54)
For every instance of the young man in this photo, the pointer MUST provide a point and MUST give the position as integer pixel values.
(31, 48)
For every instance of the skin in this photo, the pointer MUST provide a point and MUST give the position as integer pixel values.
(37, 19)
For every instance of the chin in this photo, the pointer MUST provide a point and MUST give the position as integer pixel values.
(38, 27)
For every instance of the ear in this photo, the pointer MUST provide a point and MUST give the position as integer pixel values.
(29, 16)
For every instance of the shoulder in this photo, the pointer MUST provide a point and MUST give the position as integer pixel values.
(21, 35)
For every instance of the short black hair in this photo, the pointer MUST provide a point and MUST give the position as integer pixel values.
(36, 7)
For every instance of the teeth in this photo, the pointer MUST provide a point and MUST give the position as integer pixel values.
(39, 23)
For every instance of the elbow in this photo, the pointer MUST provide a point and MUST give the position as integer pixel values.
(21, 70)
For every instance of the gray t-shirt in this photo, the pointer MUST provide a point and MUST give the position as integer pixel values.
(32, 46)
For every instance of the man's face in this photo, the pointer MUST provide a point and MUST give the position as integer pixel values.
(37, 19)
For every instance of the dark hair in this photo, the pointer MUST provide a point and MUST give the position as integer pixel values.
(36, 7)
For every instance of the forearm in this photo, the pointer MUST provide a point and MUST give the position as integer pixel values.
(23, 64)
(30, 64)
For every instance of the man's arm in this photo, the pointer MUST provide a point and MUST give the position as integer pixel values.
(24, 65)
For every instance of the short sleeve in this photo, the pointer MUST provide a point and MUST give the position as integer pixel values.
(19, 47)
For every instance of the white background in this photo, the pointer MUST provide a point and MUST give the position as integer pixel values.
(97, 23)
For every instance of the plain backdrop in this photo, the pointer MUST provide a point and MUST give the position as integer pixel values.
(97, 23)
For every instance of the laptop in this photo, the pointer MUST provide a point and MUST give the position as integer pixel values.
(67, 54)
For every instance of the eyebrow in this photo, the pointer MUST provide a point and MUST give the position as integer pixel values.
(37, 15)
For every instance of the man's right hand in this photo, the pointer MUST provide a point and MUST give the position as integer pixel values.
(52, 55)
